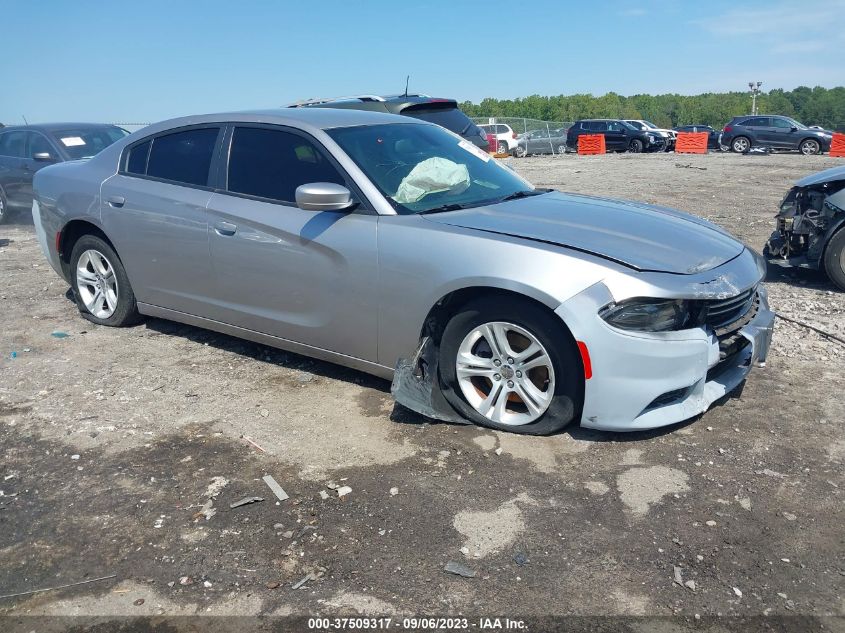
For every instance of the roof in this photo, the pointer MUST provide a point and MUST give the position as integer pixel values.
(52, 127)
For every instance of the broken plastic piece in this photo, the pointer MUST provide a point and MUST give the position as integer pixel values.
(459, 569)
(245, 501)
(281, 495)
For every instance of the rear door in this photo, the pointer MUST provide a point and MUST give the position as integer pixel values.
(306, 276)
(155, 211)
(13, 160)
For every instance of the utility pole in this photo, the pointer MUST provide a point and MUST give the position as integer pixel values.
(755, 90)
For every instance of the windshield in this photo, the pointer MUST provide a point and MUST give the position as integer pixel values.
(800, 126)
(85, 142)
(633, 125)
(651, 125)
(423, 168)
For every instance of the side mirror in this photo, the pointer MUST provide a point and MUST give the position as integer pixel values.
(323, 196)
(43, 157)
(793, 129)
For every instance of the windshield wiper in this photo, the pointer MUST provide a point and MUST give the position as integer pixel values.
(453, 206)
(516, 195)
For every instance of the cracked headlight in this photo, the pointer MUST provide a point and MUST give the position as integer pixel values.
(649, 315)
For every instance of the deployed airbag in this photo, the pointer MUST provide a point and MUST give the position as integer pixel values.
(432, 175)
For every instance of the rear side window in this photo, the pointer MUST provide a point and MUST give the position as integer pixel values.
(273, 163)
(136, 163)
(597, 126)
(13, 144)
(756, 122)
(183, 157)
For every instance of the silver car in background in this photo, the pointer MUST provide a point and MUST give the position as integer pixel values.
(400, 249)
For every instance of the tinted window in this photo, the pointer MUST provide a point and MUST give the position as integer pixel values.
(597, 126)
(84, 142)
(273, 163)
(39, 145)
(501, 129)
(615, 126)
(183, 156)
(13, 144)
(759, 121)
(782, 123)
(450, 118)
(136, 162)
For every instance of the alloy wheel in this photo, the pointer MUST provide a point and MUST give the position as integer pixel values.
(505, 373)
(741, 145)
(809, 147)
(97, 284)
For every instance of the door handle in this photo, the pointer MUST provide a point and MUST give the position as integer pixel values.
(116, 201)
(226, 229)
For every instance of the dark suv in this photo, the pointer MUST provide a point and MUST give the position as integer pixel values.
(619, 136)
(443, 112)
(776, 132)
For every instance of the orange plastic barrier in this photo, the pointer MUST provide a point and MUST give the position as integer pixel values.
(691, 143)
(837, 145)
(591, 144)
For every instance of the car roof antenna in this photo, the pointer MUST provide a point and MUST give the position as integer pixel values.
(407, 79)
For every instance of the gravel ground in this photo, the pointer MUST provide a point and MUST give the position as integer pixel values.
(114, 440)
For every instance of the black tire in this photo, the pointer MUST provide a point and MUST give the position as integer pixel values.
(810, 147)
(4, 207)
(834, 259)
(741, 145)
(520, 152)
(635, 146)
(502, 148)
(126, 310)
(548, 330)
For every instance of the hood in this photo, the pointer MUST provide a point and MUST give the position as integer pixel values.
(637, 235)
(834, 173)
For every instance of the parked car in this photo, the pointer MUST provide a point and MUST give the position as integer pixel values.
(619, 136)
(541, 142)
(810, 230)
(648, 126)
(398, 249)
(24, 149)
(443, 112)
(776, 132)
(713, 137)
(506, 138)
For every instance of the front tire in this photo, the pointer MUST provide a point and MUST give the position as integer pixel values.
(809, 147)
(520, 151)
(635, 146)
(510, 365)
(834, 259)
(4, 207)
(100, 285)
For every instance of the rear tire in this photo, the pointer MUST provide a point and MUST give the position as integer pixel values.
(834, 259)
(502, 148)
(4, 207)
(100, 285)
(520, 151)
(740, 145)
(559, 391)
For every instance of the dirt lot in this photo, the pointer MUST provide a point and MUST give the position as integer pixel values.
(112, 441)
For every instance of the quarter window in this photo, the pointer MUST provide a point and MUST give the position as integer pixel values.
(136, 163)
(183, 157)
(273, 163)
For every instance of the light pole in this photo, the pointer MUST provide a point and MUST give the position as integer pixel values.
(755, 90)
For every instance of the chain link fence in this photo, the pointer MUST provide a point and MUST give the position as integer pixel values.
(532, 136)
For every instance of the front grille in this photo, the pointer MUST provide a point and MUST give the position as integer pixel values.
(726, 317)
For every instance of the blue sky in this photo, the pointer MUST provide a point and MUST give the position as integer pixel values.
(145, 61)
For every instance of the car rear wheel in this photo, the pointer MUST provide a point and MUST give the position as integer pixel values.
(502, 148)
(834, 259)
(100, 285)
(4, 210)
(635, 146)
(520, 151)
(511, 365)
(740, 145)
(809, 147)
(561, 149)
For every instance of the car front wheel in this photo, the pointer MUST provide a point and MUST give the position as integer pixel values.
(520, 151)
(636, 146)
(4, 212)
(809, 147)
(834, 259)
(511, 365)
(100, 285)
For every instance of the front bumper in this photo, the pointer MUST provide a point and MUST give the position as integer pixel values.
(643, 380)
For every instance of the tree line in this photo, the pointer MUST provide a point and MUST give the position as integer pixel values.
(811, 106)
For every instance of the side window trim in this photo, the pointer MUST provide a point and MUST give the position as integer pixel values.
(226, 151)
(210, 180)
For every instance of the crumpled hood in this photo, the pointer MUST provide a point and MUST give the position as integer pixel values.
(640, 236)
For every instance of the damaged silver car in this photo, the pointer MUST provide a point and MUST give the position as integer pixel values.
(810, 231)
(398, 248)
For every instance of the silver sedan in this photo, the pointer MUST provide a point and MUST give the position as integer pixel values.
(397, 248)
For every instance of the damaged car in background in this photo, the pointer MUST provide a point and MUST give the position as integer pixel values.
(396, 247)
(810, 230)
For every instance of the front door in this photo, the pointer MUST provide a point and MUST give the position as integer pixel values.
(14, 176)
(306, 276)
